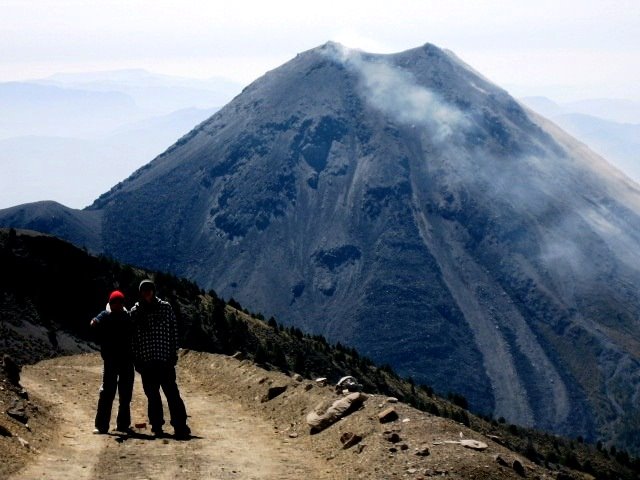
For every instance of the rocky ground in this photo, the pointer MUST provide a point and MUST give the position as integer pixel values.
(237, 431)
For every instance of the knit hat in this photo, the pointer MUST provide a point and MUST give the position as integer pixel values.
(147, 284)
(116, 294)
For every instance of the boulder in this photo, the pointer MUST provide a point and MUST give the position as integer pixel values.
(474, 444)
(348, 384)
(321, 416)
(321, 381)
(388, 415)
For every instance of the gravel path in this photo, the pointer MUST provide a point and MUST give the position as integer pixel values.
(228, 442)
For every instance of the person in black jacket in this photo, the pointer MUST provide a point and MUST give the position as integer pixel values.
(155, 348)
(114, 332)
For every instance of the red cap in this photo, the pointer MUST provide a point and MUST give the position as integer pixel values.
(116, 294)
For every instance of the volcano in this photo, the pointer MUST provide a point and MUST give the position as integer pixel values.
(405, 205)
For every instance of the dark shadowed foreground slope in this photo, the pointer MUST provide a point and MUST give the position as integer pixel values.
(404, 205)
(248, 416)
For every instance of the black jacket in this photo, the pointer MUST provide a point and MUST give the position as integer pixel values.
(114, 332)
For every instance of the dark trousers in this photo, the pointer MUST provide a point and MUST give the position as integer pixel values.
(116, 375)
(156, 375)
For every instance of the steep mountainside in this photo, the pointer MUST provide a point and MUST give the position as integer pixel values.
(48, 290)
(405, 205)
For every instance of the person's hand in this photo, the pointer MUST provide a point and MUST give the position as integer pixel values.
(94, 322)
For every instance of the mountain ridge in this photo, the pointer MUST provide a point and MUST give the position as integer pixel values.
(404, 205)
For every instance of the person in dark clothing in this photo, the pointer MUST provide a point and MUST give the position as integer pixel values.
(155, 347)
(114, 332)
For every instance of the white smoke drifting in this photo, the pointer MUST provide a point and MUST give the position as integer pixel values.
(395, 92)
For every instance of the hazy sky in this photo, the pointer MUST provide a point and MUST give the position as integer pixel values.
(564, 49)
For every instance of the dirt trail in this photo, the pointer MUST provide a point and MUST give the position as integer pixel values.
(229, 442)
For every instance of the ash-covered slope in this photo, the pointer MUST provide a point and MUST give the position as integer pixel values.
(405, 205)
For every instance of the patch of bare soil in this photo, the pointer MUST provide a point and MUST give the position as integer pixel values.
(239, 433)
(21, 440)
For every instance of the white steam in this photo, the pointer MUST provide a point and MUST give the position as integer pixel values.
(396, 93)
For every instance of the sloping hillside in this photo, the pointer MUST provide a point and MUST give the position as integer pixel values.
(239, 430)
(50, 289)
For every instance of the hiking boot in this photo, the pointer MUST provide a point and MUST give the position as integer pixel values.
(126, 430)
(157, 432)
(100, 431)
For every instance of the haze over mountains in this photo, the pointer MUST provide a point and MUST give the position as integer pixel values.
(609, 127)
(406, 206)
(105, 124)
(110, 123)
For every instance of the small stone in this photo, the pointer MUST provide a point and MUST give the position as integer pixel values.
(273, 392)
(501, 461)
(349, 439)
(297, 377)
(17, 411)
(23, 442)
(423, 451)
(392, 437)
(437, 472)
(388, 415)
(293, 435)
(412, 470)
(393, 449)
(5, 432)
(404, 446)
(360, 447)
(321, 381)
(239, 356)
(308, 387)
(392, 400)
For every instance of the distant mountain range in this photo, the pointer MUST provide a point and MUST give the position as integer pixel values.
(46, 167)
(105, 124)
(406, 206)
(609, 127)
